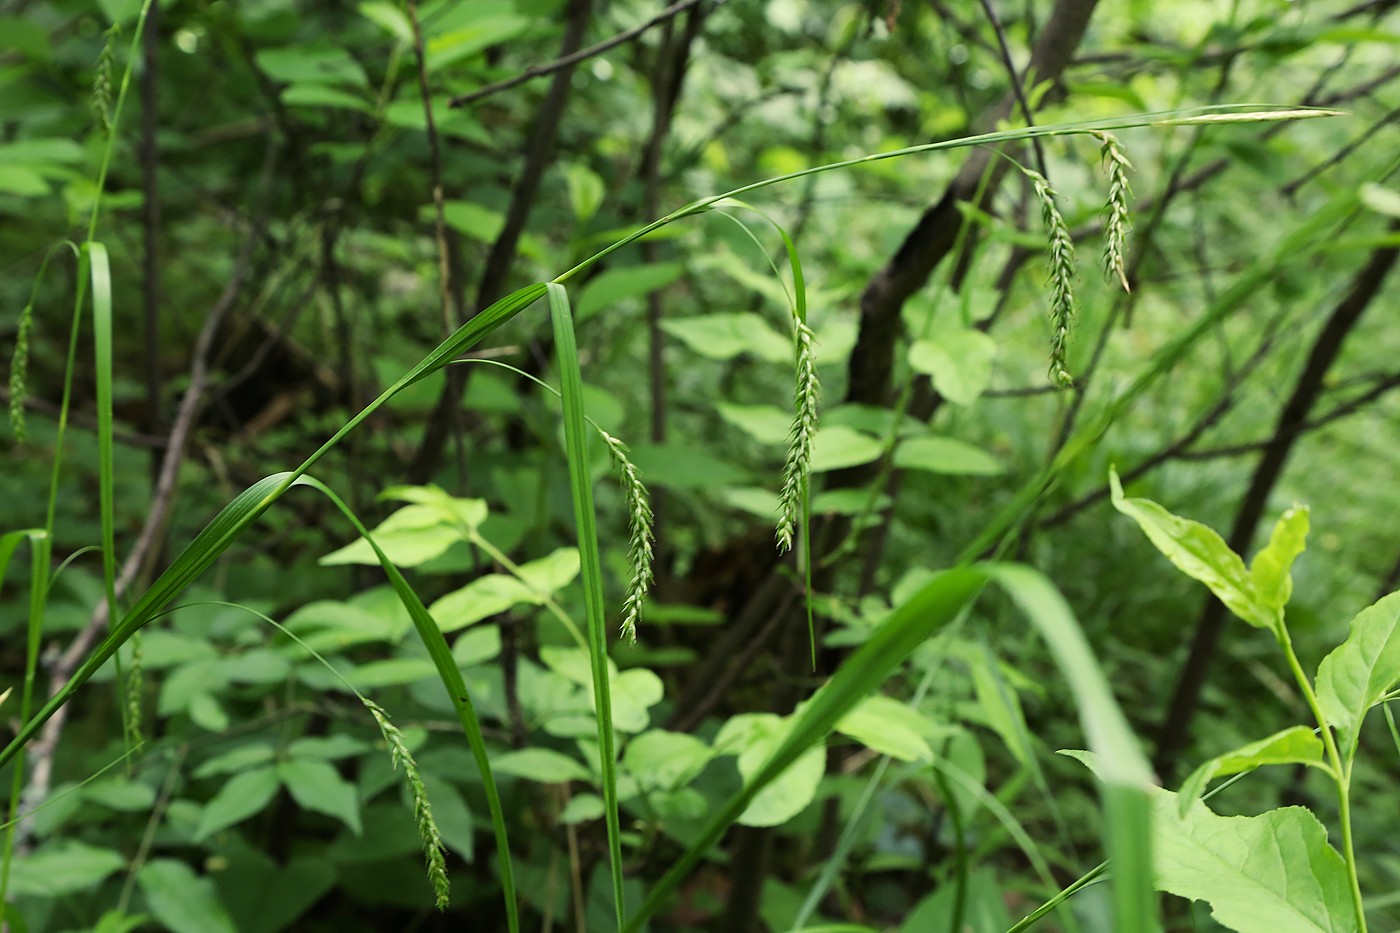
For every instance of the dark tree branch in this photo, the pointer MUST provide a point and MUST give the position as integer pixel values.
(570, 59)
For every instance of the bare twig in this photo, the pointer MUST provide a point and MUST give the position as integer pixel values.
(573, 58)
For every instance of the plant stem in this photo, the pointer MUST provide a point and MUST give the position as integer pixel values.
(1341, 773)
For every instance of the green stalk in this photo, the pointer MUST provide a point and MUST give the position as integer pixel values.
(591, 569)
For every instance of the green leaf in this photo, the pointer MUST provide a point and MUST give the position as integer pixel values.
(540, 764)
(472, 220)
(582, 809)
(960, 362)
(477, 645)
(767, 424)
(1001, 710)
(548, 575)
(1271, 568)
(391, 672)
(837, 448)
(480, 599)
(321, 95)
(1382, 200)
(62, 869)
(585, 196)
(945, 455)
(321, 63)
(485, 31)
(883, 724)
(182, 901)
(316, 785)
(666, 760)
(411, 536)
(754, 737)
(1361, 669)
(1271, 872)
(683, 466)
(1298, 745)
(727, 335)
(241, 796)
(634, 693)
(1201, 554)
(389, 18)
(609, 288)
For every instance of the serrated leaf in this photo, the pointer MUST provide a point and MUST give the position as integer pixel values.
(1200, 553)
(1259, 874)
(240, 797)
(1271, 568)
(1297, 745)
(316, 785)
(959, 361)
(1363, 668)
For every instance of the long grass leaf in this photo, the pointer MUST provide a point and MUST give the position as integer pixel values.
(931, 608)
(591, 569)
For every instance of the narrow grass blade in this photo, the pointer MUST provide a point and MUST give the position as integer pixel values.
(1124, 770)
(926, 612)
(591, 569)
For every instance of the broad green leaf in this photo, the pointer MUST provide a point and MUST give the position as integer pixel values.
(321, 95)
(582, 809)
(960, 362)
(328, 747)
(1380, 199)
(477, 645)
(665, 760)
(1200, 553)
(480, 599)
(540, 764)
(121, 794)
(1271, 872)
(1298, 745)
(119, 11)
(837, 447)
(767, 424)
(619, 284)
(634, 693)
(64, 868)
(305, 62)
(241, 796)
(550, 574)
(1361, 669)
(754, 737)
(1001, 710)
(885, 725)
(181, 900)
(585, 196)
(22, 180)
(726, 335)
(390, 18)
(1271, 568)
(484, 31)
(945, 455)
(316, 785)
(391, 672)
(682, 466)
(411, 536)
(470, 513)
(472, 220)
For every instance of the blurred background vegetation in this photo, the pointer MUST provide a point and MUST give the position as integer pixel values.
(277, 262)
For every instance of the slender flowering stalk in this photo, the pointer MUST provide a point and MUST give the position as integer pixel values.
(101, 101)
(422, 811)
(1061, 257)
(19, 374)
(1116, 223)
(798, 466)
(639, 546)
